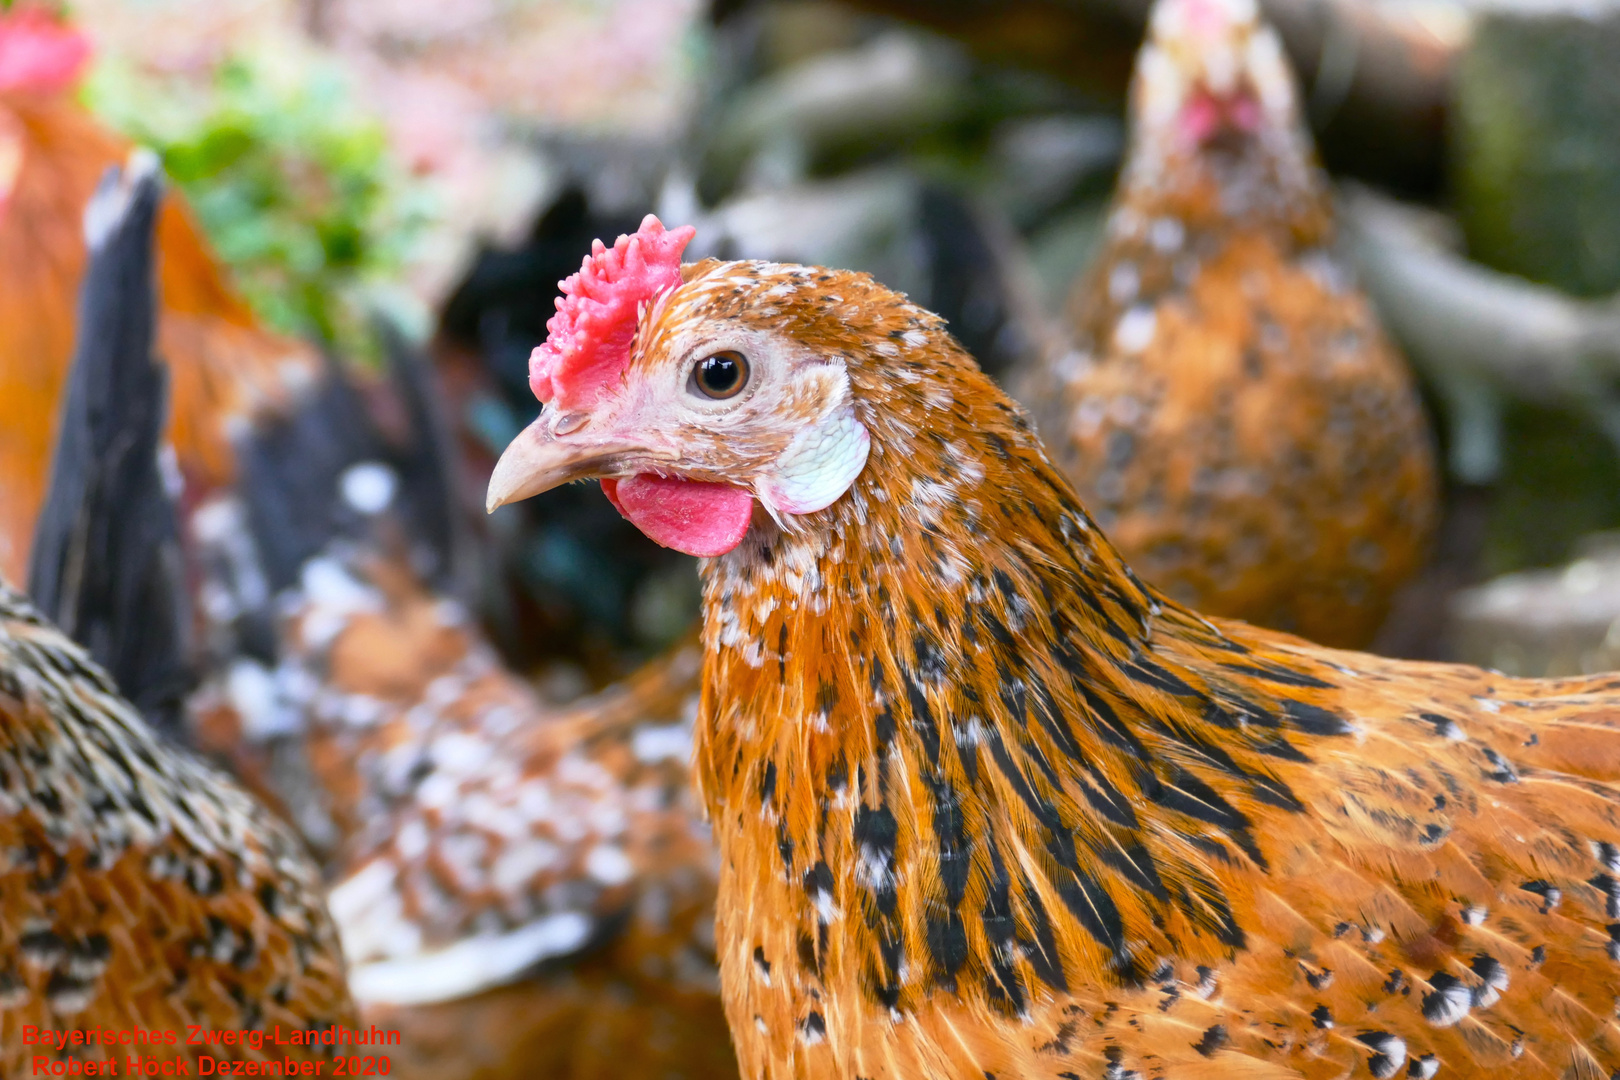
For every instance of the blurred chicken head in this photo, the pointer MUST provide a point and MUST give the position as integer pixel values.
(1210, 73)
(685, 391)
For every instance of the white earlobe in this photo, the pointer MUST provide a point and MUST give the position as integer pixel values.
(818, 466)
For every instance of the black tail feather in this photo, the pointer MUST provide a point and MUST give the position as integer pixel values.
(429, 465)
(106, 563)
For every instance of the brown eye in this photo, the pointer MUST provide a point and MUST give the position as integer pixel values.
(721, 376)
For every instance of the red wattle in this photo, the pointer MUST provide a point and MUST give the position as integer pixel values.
(688, 515)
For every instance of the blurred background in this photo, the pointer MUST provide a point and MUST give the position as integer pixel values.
(371, 168)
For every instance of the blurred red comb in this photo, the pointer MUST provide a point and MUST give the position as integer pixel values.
(588, 342)
(40, 52)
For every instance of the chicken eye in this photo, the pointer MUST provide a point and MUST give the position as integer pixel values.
(721, 376)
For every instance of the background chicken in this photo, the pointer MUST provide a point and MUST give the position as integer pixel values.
(145, 889)
(1231, 410)
(518, 886)
(52, 154)
(987, 804)
(570, 579)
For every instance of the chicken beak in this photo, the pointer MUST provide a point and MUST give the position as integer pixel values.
(537, 461)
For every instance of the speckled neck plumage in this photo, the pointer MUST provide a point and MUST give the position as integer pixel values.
(899, 700)
(989, 807)
(1272, 184)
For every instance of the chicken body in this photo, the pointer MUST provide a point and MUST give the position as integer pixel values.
(521, 889)
(144, 890)
(526, 834)
(1231, 411)
(518, 886)
(987, 805)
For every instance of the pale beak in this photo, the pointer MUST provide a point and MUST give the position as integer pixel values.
(537, 461)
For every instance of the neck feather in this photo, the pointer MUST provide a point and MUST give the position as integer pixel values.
(951, 738)
(1268, 180)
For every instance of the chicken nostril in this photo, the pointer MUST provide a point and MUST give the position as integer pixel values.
(568, 423)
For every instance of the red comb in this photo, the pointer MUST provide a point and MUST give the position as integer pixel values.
(39, 52)
(588, 342)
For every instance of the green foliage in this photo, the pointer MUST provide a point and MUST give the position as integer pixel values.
(59, 8)
(1558, 484)
(292, 182)
(1535, 149)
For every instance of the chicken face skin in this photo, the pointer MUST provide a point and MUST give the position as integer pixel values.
(788, 436)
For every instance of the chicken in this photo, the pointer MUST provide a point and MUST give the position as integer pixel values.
(142, 889)
(989, 805)
(52, 154)
(1231, 410)
(520, 889)
(579, 574)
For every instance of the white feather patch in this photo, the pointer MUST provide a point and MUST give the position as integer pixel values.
(469, 965)
(818, 466)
